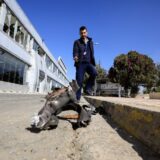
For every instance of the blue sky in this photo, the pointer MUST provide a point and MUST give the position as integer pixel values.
(117, 25)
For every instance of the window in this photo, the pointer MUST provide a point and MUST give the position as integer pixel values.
(60, 75)
(7, 22)
(17, 31)
(48, 63)
(41, 52)
(38, 49)
(21, 36)
(12, 72)
(54, 68)
(6, 75)
(25, 39)
(11, 69)
(2, 64)
(19, 73)
(35, 46)
(12, 26)
(9, 25)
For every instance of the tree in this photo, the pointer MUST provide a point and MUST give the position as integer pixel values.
(133, 69)
(102, 73)
(158, 75)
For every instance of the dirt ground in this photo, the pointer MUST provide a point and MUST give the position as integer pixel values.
(101, 140)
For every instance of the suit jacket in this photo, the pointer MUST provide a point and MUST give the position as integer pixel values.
(79, 48)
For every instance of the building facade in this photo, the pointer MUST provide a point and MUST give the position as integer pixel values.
(26, 64)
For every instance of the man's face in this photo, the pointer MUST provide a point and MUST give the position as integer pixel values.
(83, 33)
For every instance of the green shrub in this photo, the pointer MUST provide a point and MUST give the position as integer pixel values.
(158, 89)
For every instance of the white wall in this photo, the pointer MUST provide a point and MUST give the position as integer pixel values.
(12, 47)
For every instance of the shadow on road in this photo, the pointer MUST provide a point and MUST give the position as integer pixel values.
(74, 124)
(139, 147)
(37, 130)
(33, 130)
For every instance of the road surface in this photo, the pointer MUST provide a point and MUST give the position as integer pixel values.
(101, 140)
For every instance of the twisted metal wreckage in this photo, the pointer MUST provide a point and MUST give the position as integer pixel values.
(59, 100)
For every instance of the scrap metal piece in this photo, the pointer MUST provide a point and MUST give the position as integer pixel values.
(60, 100)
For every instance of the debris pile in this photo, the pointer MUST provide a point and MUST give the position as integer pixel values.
(62, 99)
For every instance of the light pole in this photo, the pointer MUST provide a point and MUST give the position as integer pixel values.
(95, 83)
(96, 43)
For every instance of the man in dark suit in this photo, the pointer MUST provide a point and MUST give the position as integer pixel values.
(83, 55)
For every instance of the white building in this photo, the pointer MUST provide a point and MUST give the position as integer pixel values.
(26, 64)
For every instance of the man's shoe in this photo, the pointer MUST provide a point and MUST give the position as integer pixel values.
(88, 93)
(78, 101)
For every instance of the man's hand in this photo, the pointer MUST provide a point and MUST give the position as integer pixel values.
(76, 58)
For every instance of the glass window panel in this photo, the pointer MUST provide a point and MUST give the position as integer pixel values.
(12, 72)
(2, 64)
(17, 74)
(11, 69)
(35, 46)
(1, 70)
(6, 72)
(20, 72)
(21, 75)
(12, 30)
(48, 62)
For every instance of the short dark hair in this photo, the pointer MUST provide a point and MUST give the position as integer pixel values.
(82, 28)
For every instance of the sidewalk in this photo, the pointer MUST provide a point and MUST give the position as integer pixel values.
(139, 117)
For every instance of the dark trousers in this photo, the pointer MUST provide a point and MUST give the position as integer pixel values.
(80, 72)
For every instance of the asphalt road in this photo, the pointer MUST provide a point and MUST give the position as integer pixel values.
(101, 140)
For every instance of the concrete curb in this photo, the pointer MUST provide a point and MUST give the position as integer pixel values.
(154, 95)
(140, 123)
(20, 92)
